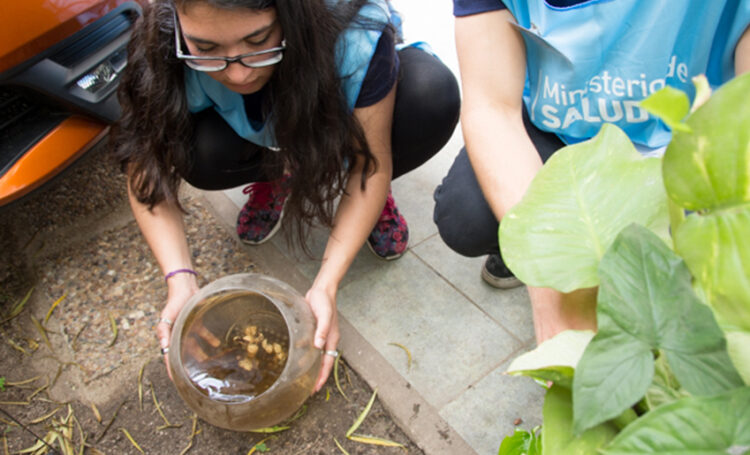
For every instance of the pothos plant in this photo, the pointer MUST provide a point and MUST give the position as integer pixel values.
(666, 243)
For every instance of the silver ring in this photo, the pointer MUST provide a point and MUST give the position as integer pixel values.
(165, 321)
(332, 352)
(164, 350)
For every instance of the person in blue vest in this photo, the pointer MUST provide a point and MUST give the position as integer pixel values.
(537, 75)
(315, 104)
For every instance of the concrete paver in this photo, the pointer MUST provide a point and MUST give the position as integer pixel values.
(488, 410)
(451, 341)
(461, 333)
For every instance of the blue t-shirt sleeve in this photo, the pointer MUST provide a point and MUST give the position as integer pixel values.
(381, 74)
(469, 7)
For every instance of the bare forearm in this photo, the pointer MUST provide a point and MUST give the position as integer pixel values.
(359, 209)
(356, 215)
(742, 54)
(502, 156)
(163, 229)
(492, 60)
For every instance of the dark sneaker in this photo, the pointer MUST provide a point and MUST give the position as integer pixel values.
(390, 236)
(497, 274)
(260, 217)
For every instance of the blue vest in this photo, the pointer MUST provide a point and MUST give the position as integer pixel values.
(354, 50)
(592, 63)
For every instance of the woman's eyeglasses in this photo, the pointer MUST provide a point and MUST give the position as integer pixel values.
(258, 59)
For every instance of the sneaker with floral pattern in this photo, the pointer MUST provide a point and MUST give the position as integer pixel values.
(260, 217)
(389, 238)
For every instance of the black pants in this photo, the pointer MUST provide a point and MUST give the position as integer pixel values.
(463, 217)
(425, 114)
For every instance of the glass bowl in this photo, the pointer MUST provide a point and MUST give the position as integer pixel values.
(242, 354)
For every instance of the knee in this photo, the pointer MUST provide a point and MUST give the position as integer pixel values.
(460, 225)
(426, 82)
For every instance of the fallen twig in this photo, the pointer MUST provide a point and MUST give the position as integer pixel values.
(109, 424)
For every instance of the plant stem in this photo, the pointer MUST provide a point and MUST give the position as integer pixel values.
(625, 419)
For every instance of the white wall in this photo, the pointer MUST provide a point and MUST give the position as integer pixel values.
(430, 21)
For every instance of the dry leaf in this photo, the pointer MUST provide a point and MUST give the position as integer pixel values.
(408, 354)
(363, 415)
(132, 441)
(336, 377)
(52, 308)
(114, 329)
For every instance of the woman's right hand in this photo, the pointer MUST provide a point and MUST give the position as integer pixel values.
(326, 338)
(180, 288)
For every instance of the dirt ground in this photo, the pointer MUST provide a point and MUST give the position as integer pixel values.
(76, 353)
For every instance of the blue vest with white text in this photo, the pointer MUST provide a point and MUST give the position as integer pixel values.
(592, 63)
(354, 50)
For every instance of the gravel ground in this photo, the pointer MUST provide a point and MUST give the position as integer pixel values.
(74, 244)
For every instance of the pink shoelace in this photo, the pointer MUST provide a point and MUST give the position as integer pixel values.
(262, 192)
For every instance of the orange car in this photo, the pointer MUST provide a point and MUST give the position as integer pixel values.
(60, 63)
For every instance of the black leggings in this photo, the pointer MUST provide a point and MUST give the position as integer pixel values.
(425, 114)
(462, 215)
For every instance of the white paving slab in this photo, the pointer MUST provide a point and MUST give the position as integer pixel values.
(487, 412)
(453, 344)
(509, 308)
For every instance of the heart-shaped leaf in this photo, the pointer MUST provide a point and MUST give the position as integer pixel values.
(646, 303)
(718, 425)
(557, 432)
(555, 359)
(576, 205)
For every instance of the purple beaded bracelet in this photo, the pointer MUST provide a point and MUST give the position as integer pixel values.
(175, 272)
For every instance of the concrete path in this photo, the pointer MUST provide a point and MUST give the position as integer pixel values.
(461, 333)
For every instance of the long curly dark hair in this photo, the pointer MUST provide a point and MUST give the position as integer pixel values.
(319, 138)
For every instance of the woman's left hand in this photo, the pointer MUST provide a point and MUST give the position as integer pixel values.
(327, 335)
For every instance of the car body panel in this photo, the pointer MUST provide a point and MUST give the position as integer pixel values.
(76, 133)
(39, 24)
(49, 116)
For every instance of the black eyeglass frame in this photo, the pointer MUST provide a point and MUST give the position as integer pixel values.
(227, 60)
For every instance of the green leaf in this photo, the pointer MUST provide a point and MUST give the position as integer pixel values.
(646, 303)
(702, 91)
(708, 171)
(521, 442)
(738, 345)
(562, 376)
(669, 104)
(575, 206)
(716, 248)
(555, 359)
(2, 383)
(710, 167)
(557, 431)
(698, 425)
